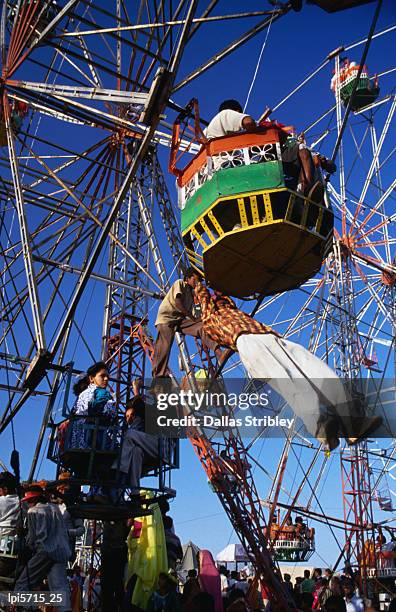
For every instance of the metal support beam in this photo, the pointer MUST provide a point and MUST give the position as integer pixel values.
(25, 237)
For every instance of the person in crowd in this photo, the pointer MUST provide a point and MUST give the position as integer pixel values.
(335, 586)
(114, 557)
(311, 388)
(242, 583)
(335, 603)
(321, 594)
(328, 574)
(236, 601)
(190, 590)
(224, 573)
(317, 574)
(175, 314)
(287, 583)
(234, 577)
(202, 602)
(93, 400)
(253, 597)
(352, 601)
(48, 540)
(164, 598)
(174, 548)
(11, 522)
(137, 445)
(297, 590)
(209, 578)
(308, 584)
(75, 526)
(306, 601)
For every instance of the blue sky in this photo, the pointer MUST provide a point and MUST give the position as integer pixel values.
(296, 45)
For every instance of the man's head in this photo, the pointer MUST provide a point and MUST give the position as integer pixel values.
(306, 574)
(235, 575)
(348, 588)
(231, 105)
(34, 495)
(286, 577)
(192, 573)
(163, 581)
(317, 573)
(135, 407)
(191, 277)
(8, 483)
(328, 573)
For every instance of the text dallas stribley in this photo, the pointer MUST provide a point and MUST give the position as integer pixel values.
(223, 421)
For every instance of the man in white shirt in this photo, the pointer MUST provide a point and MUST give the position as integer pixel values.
(297, 158)
(10, 524)
(48, 540)
(353, 602)
(229, 120)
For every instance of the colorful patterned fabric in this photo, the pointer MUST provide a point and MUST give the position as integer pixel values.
(94, 401)
(223, 321)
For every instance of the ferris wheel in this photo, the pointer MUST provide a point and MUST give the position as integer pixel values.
(91, 239)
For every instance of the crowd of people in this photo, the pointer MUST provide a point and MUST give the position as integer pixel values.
(139, 568)
(38, 536)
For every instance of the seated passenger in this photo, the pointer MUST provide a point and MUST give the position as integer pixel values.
(93, 400)
(289, 529)
(300, 528)
(229, 120)
(274, 530)
(137, 445)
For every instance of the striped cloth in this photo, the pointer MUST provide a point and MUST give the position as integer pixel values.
(223, 321)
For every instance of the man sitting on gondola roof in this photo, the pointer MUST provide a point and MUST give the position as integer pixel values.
(297, 159)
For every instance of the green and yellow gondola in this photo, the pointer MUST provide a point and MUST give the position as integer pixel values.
(243, 228)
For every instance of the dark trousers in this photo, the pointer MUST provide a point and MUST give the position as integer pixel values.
(164, 342)
(112, 578)
(7, 573)
(34, 572)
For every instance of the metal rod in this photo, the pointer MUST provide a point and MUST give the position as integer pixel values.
(230, 48)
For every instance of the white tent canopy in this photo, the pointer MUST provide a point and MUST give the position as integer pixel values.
(233, 553)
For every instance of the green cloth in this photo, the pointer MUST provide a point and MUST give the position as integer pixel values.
(307, 585)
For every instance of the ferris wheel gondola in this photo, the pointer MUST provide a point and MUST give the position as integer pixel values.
(244, 225)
